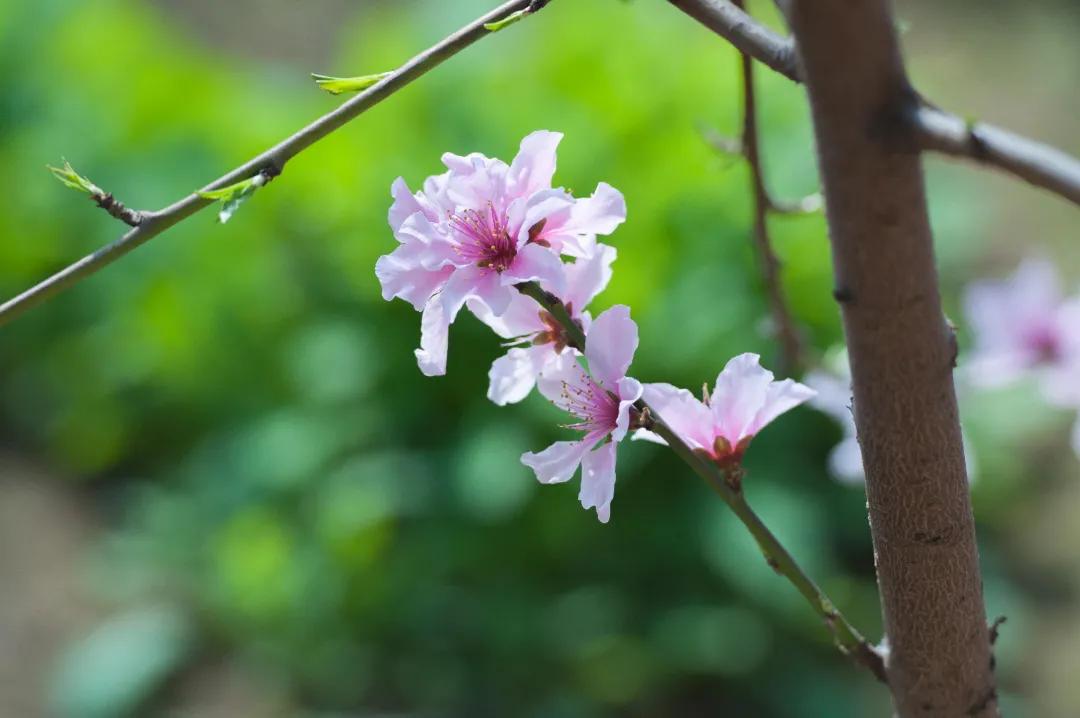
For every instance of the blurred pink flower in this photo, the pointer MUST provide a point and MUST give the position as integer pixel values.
(744, 400)
(1022, 325)
(537, 337)
(476, 230)
(601, 401)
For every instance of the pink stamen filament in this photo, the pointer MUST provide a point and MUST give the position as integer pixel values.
(484, 238)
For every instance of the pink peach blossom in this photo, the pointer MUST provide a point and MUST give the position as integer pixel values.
(601, 399)
(744, 400)
(479, 228)
(1022, 326)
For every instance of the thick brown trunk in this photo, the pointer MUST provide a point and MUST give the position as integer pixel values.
(902, 353)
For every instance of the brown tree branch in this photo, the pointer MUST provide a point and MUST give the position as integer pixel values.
(900, 350)
(924, 127)
(783, 323)
(270, 162)
(847, 637)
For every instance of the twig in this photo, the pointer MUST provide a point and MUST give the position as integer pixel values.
(1039, 164)
(925, 126)
(105, 200)
(784, 325)
(271, 162)
(847, 637)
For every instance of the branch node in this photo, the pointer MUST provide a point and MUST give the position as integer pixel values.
(843, 295)
(116, 209)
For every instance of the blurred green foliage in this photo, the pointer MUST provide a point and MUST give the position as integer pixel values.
(247, 412)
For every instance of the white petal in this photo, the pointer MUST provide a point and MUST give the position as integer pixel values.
(833, 395)
(598, 480)
(434, 337)
(845, 462)
(514, 374)
(646, 435)
(558, 462)
(610, 345)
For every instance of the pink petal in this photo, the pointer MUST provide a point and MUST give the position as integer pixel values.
(400, 276)
(599, 214)
(475, 181)
(427, 243)
(558, 462)
(434, 337)
(539, 264)
(738, 396)
(534, 165)
(476, 283)
(686, 416)
(553, 208)
(514, 374)
(610, 345)
(490, 290)
(598, 480)
(466, 164)
(571, 225)
(588, 276)
(1009, 319)
(521, 318)
(405, 204)
(629, 392)
(781, 396)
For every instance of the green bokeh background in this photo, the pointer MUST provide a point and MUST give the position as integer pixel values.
(226, 489)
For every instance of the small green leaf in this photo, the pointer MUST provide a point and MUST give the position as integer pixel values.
(234, 195)
(506, 21)
(338, 85)
(74, 180)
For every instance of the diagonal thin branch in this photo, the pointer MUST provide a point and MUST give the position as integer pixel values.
(924, 126)
(847, 637)
(784, 324)
(270, 162)
(1037, 163)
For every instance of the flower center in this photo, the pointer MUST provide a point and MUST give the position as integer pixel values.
(597, 407)
(1044, 343)
(484, 238)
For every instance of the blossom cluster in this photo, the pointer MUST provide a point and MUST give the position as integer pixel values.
(474, 233)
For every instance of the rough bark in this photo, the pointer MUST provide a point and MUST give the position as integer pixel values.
(902, 352)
